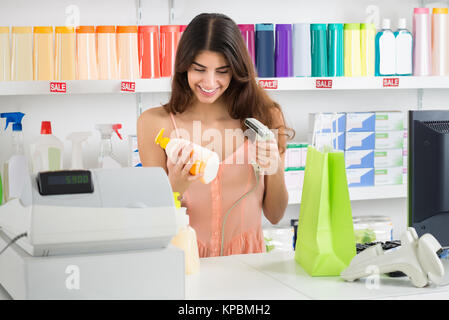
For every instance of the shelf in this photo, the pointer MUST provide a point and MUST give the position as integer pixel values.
(368, 193)
(271, 84)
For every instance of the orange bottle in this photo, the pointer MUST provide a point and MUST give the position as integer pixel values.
(5, 58)
(22, 54)
(127, 52)
(107, 52)
(43, 62)
(86, 53)
(65, 49)
(170, 35)
(149, 52)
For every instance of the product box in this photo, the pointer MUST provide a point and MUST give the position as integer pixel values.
(360, 121)
(389, 140)
(133, 152)
(360, 177)
(388, 158)
(323, 138)
(294, 180)
(389, 121)
(296, 155)
(327, 122)
(360, 141)
(359, 159)
(388, 176)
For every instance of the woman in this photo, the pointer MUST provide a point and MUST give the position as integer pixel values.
(213, 90)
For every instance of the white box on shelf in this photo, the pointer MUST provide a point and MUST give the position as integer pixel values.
(294, 180)
(360, 121)
(388, 176)
(388, 158)
(296, 154)
(389, 120)
(360, 177)
(389, 139)
(327, 122)
(359, 159)
(360, 141)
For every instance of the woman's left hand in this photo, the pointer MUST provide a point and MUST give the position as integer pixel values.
(267, 156)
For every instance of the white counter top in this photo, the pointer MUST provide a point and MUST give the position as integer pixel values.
(277, 276)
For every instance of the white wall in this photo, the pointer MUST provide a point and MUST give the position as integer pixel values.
(81, 112)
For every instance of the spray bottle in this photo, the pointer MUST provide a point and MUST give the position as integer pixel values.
(15, 169)
(47, 151)
(206, 161)
(106, 157)
(77, 139)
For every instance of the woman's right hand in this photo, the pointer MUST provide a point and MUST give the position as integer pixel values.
(179, 166)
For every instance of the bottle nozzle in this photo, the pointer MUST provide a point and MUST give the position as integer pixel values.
(15, 118)
(116, 127)
(160, 140)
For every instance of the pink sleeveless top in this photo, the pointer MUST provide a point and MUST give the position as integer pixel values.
(207, 205)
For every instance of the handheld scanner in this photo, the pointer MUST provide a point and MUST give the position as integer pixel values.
(262, 132)
(15, 118)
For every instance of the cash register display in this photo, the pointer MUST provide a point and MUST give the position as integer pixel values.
(64, 182)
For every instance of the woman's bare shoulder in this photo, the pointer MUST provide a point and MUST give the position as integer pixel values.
(156, 113)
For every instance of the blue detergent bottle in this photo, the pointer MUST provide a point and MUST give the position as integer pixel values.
(404, 49)
(385, 50)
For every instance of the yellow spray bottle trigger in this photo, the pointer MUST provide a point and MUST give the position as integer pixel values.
(160, 140)
(177, 202)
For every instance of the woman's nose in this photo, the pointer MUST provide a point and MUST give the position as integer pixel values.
(209, 80)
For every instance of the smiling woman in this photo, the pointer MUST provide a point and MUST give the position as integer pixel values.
(214, 89)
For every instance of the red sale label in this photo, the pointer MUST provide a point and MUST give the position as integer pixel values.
(128, 86)
(58, 87)
(268, 84)
(391, 82)
(323, 84)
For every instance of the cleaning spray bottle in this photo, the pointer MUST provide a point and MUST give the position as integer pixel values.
(206, 161)
(106, 158)
(47, 152)
(77, 139)
(15, 169)
(186, 238)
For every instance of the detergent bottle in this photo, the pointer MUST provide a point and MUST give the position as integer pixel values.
(206, 161)
(404, 49)
(186, 238)
(106, 157)
(47, 152)
(15, 169)
(385, 50)
(77, 139)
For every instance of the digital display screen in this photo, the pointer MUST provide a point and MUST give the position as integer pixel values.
(68, 179)
(65, 182)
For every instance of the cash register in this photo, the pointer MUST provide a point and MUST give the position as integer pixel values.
(92, 234)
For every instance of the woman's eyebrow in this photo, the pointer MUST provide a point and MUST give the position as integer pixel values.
(200, 65)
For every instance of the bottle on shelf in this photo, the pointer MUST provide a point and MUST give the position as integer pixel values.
(170, 36)
(107, 52)
(5, 57)
(65, 51)
(77, 139)
(22, 54)
(422, 42)
(335, 49)
(385, 50)
(439, 42)
(47, 152)
(283, 51)
(44, 59)
(302, 61)
(353, 58)
(318, 40)
(368, 48)
(127, 52)
(404, 49)
(106, 158)
(149, 52)
(265, 50)
(86, 53)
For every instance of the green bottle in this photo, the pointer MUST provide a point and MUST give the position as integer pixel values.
(335, 52)
(318, 43)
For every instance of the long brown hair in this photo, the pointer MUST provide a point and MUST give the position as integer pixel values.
(244, 97)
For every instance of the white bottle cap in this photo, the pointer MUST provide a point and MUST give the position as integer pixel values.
(402, 24)
(386, 24)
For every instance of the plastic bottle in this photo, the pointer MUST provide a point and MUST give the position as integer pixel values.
(5, 58)
(318, 43)
(385, 50)
(283, 51)
(107, 52)
(265, 50)
(404, 49)
(127, 52)
(368, 48)
(149, 52)
(302, 61)
(186, 238)
(86, 53)
(65, 51)
(22, 54)
(47, 152)
(439, 42)
(353, 57)
(422, 42)
(15, 169)
(206, 161)
(106, 158)
(248, 34)
(335, 50)
(170, 36)
(44, 59)
(77, 139)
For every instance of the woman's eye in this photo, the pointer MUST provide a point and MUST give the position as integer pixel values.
(199, 70)
(223, 72)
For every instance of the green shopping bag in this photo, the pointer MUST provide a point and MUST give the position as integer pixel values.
(325, 242)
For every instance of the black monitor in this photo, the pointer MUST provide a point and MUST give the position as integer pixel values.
(428, 173)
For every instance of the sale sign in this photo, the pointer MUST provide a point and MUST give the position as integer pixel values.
(391, 82)
(58, 87)
(128, 86)
(268, 84)
(323, 84)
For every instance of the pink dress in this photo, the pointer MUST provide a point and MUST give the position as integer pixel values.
(207, 205)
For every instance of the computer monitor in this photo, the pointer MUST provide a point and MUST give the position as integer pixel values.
(428, 173)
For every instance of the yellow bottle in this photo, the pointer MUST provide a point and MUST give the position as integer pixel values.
(44, 59)
(206, 161)
(352, 50)
(368, 50)
(186, 239)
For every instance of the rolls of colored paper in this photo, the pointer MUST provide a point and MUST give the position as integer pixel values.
(86, 53)
(302, 63)
(127, 52)
(22, 54)
(43, 62)
(440, 41)
(318, 43)
(5, 57)
(65, 51)
(265, 50)
(368, 48)
(353, 58)
(149, 52)
(107, 52)
(335, 50)
(170, 35)
(248, 35)
(422, 42)
(283, 51)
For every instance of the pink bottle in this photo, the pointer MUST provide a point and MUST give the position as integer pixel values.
(247, 31)
(422, 42)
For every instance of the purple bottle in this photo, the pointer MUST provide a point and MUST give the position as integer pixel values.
(247, 31)
(283, 51)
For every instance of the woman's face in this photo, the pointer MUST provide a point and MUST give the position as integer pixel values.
(209, 76)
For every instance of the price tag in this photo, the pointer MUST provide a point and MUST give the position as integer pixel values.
(58, 87)
(323, 84)
(391, 82)
(268, 84)
(128, 86)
